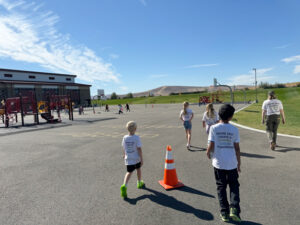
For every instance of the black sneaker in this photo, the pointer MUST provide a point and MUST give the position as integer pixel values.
(234, 215)
(224, 217)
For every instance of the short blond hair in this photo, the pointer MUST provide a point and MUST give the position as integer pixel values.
(131, 126)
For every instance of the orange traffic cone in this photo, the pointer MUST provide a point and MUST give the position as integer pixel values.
(170, 180)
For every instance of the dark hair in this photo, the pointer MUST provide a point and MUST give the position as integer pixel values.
(226, 111)
(271, 95)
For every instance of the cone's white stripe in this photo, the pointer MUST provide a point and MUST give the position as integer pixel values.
(169, 155)
(169, 166)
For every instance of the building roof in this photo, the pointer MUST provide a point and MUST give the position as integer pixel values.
(42, 83)
(35, 72)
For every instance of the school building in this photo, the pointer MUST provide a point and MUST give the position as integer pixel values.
(14, 83)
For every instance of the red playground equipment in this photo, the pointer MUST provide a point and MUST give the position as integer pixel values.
(213, 98)
(27, 105)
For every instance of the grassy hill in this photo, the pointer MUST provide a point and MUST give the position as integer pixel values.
(290, 98)
(192, 98)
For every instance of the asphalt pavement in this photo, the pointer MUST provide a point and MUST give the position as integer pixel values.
(72, 174)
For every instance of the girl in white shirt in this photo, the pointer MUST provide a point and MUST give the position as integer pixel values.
(210, 117)
(186, 116)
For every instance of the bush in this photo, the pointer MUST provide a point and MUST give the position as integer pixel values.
(298, 85)
(129, 95)
(114, 96)
(266, 85)
(278, 85)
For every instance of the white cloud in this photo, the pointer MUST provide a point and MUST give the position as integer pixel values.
(143, 2)
(295, 58)
(249, 79)
(154, 76)
(124, 88)
(201, 65)
(114, 56)
(262, 71)
(297, 69)
(30, 35)
(282, 46)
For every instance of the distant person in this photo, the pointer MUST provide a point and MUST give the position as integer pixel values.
(81, 112)
(271, 110)
(127, 107)
(210, 117)
(186, 116)
(133, 156)
(224, 150)
(120, 108)
(106, 108)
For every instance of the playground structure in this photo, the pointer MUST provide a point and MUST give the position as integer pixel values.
(28, 105)
(215, 97)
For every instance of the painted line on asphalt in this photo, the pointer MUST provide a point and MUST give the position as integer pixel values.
(257, 130)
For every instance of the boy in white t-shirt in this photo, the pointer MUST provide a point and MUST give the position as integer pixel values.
(133, 156)
(224, 150)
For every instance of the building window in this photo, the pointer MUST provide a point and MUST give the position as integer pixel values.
(51, 78)
(31, 77)
(8, 75)
(68, 79)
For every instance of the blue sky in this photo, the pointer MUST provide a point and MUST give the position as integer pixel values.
(136, 45)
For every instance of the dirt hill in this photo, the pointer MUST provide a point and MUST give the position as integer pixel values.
(167, 90)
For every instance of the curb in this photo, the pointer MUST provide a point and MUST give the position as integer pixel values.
(37, 129)
(257, 130)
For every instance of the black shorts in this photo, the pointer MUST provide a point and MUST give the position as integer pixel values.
(131, 168)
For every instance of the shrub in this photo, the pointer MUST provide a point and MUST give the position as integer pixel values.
(114, 96)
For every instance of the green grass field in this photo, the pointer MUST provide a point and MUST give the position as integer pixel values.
(290, 98)
(251, 116)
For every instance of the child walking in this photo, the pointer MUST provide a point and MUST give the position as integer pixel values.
(210, 117)
(186, 116)
(120, 108)
(133, 156)
(224, 150)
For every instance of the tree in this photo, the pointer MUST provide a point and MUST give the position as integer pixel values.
(114, 96)
(129, 95)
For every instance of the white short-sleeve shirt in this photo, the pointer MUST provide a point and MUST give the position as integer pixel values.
(224, 135)
(272, 106)
(130, 144)
(210, 121)
(187, 116)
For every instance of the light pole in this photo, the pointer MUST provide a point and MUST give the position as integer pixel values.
(255, 85)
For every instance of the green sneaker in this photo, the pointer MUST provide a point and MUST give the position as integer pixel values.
(123, 189)
(140, 184)
(224, 217)
(234, 215)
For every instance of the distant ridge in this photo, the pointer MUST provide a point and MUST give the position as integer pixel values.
(167, 90)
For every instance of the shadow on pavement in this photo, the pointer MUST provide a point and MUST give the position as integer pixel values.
(244, 223)
(94, 120)
(250, 155)
(194, 191)
(286, 149)
(173, 203)
(196, 149)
